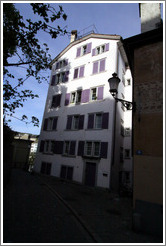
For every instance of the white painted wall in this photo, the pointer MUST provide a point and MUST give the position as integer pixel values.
(106, 105)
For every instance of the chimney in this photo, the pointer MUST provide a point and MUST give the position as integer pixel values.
(150, 14)
(73, 35)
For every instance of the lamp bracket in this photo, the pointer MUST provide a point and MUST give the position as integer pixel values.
(128, 105)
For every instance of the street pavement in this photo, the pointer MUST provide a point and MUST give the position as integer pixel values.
(44, 209)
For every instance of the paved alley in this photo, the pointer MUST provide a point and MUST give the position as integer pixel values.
(44, 209)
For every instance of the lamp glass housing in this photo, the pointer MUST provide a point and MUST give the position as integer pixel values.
(113, 83)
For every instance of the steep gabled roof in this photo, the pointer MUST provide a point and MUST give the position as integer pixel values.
(92, 35)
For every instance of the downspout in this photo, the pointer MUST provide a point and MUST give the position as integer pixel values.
(114, 128)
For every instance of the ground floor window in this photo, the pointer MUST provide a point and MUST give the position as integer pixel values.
(46, 168)
(66, 172)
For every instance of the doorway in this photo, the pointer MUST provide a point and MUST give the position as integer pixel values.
(90, 174)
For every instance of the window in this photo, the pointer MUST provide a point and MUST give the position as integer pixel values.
(92, 149)
(61, 63)
(127, 132)
(73, 97)
(75, 122)
(98, 66)
(98, 121)
(56, 101)
(69, 148)
(66, 147)
(60, 77)
(128, 82)
(46, 168)
(96, 93)
(93, 94)
(66, 172)
(79, 72)
(83, 50)
(127, 153)
(100, 49)
(96, 148)
(49, 147)
(50, 124)
(84, 96)
(78, 96)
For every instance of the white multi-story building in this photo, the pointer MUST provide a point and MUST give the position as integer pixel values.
(77, 139)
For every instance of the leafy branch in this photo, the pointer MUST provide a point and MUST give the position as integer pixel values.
(20, 41)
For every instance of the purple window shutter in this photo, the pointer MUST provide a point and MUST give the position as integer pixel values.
(41, 146)
(55, 120)
(81, 74)
(58, 100)
(85, 96)
(66, 76)
(89, 46)
(75, 73)
(90, 121)
(102, 65)
(107, 47)
(53, 102)
(100, 93)
(66, 62)
(53, 80)
(67, 99)
(78, 52)
(94, 52)
(105, 120)
(69, 122)
(95, 67)
(104, 150)
(57, 65)
(72, 147)
(58, 147)
(81, 122)
(80, 148)
(45, 125)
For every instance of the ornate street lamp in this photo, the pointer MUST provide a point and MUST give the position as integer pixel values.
(113, 83)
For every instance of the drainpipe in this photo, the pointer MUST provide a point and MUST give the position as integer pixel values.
(114, 124)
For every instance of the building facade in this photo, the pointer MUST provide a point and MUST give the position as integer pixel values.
(145, 55)
(79, 139)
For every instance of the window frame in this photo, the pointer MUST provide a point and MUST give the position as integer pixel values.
(95, 121)
(75, 122)
(48, 146)
(99, 49)
(76, 97)
(98, 66)
(91, 94)
(64, 147)
(83, 50)
(92, 149)
(57, 102)
(77, 72)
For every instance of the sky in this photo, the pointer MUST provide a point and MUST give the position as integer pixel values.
(106, 17)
